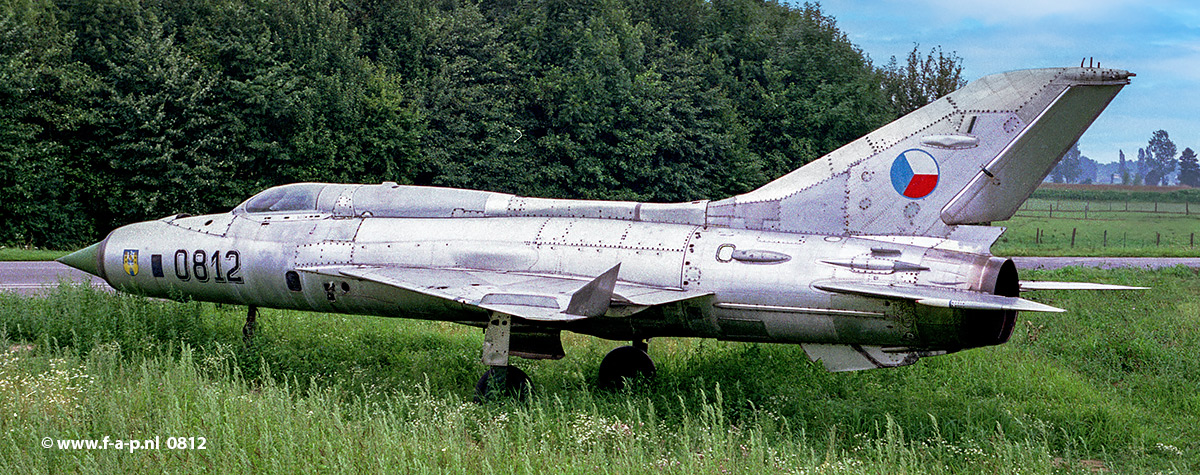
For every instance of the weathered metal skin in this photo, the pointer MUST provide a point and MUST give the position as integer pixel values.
(753, 301)
(866, 256)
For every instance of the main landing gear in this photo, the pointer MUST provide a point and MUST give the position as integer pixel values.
(626, 362)
(503, 380)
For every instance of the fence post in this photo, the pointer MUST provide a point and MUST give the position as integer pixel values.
(1157, 239)
(1073, 236)
(1105, 238)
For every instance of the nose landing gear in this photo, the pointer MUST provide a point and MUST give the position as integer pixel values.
(501, 379)
(249, 327)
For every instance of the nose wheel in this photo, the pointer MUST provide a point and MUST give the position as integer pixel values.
(626, 363)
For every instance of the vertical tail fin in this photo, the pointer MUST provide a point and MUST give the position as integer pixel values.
(972, 156)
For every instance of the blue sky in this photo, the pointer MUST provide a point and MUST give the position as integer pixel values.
(1157, 40)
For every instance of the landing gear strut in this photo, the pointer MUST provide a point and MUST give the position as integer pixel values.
(630, 362)
(248, 329)
(501, 379)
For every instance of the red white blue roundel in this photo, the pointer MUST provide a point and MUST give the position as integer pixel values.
(915, 173)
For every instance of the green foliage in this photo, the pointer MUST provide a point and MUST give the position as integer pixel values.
(1100, 193)
(1069, 167)
(1189, 169)
(115, 111)
(1160, 158)
(921, 80)
(335, 393)
(165, 107)
(43, 105)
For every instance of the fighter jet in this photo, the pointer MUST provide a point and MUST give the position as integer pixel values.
(873, 256)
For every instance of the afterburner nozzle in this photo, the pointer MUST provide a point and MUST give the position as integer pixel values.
(88, 259)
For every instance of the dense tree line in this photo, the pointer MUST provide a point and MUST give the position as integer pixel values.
(1156, 165)
(114, 111)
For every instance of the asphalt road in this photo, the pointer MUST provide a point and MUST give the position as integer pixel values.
(30, 278)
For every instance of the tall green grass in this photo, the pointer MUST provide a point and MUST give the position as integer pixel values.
(1112, 383)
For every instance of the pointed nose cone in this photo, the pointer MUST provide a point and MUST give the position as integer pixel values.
(88, 259)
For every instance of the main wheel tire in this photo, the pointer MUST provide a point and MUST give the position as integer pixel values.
(625, 362)
(503, 382)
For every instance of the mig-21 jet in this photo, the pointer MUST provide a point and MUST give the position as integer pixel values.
(872, 256)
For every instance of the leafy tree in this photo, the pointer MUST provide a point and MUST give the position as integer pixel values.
(466, 80)
(800, 86)
(1141, 167)
(1189, 170)
(161, 147)
(1087, 170)
(1122, 170)
(1069, 168)
(1160, 158)
(113, 111)
(922, 79)
(44, 97)
(616, 111)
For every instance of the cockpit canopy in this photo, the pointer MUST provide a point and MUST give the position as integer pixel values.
(389, 200)
(383, 200)
(295, 197)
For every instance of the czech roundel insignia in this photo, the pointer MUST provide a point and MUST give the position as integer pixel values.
(914, 173)
(130, 262)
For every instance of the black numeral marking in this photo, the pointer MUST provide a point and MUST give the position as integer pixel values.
(181, 265)
(196, 265)
(216, 263)
(233, 276)
(199, 269)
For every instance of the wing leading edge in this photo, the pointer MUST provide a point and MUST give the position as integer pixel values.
(536, 297)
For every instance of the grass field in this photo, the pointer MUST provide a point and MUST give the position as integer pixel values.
(1111, 385)
(1051, 227)
(20, 254)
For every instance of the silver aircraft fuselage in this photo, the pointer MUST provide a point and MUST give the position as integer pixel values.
(763, 284)
(872, 256)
